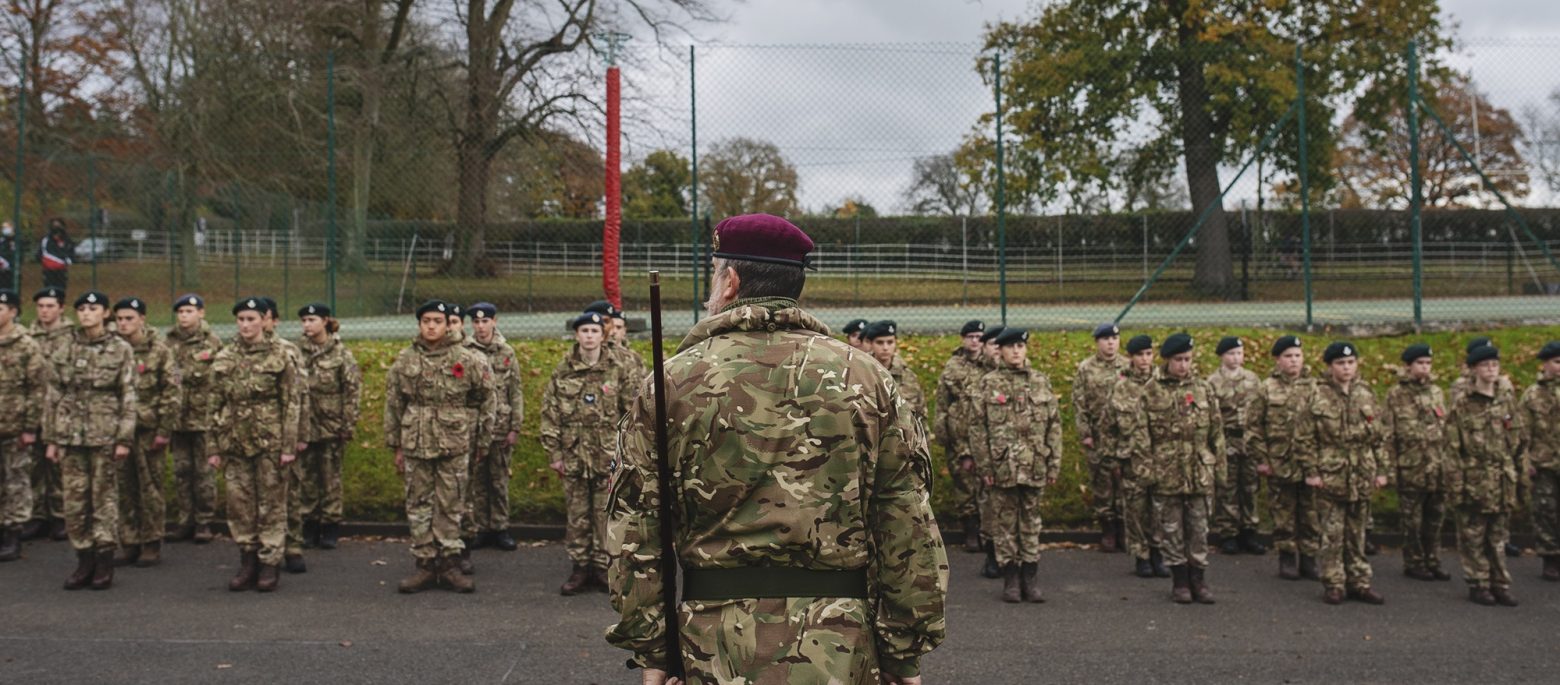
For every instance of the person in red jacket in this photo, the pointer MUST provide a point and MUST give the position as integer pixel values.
(54, 253)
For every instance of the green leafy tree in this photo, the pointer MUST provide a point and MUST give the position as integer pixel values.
(744, 176)
(657, 187)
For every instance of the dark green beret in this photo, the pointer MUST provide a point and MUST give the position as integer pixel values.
(601, 307)
(1011, 336)
(270, 307)
(1176, 344)
(1483, 353)
(854, 326)
(252, 304)
(1339, 350)
(588, 319)
(189, 300)
(1138, 343)
(136, 303)
(1550, 351)
(433, 306)
(992, 333)
(1227, 343)
(880, 329)
(1107, 330)
(9, 297)
(57, 293)
(972, 327)
(1477, 343)
(1285, 342)
(91, 297)
(457, 311)
(1415, 351)
(314, 309)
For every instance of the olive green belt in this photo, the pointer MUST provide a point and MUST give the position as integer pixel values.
(758, 582)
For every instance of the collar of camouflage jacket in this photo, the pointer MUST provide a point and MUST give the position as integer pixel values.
(200, 332)
(754, 314)
(16, 333)
(1163, 376)
(1305, 371)
(577, 357)
(81, 336)
(147, 338)
(1404, 378)
(496, 342)
(315, 350)
(444, 346)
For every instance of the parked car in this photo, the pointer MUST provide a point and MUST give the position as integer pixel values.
(98, 250)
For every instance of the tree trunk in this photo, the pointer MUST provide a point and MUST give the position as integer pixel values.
(471, 209)
(480, 128)
(1214, 273)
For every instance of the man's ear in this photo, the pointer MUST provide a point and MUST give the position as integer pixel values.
(733, 284)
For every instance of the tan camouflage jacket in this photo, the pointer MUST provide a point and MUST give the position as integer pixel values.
(509, 398)
(52, 339)
(1272, 417)
(959, 377)
(1541, 419)
(1341, 435)
(1415, 447)
(255, 400)
(333, 383)
(90, 400)
(192, 357)
(580, 406)
(766, 409)
(436, 399)
(634, 365)
(156, 384)
(301, 387)
(909, 386)
(23, 378)
(1484, 437)
(1234, 390)
(1015, 428)
(1176, 441)
(1464, 382)
(1118, 424)
(1095, 377)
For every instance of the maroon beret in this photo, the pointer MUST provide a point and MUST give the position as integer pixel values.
(762, 238)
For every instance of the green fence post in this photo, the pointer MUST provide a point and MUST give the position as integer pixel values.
(21, 149)
(1001, 192)
(1305, 184)
(1415, 199)
(693, 193)
(330, 173)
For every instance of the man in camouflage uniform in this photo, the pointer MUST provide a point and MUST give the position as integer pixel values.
(1177, 437)
(883, 336)
(1271, 419)
(1503, 386)
(1093, 381)
(1015, 431)
(23, 376)
(1340, 434)
(437, 394)
(583, 399)
(798, 465)
(142, 513)
(292, 554)
(487, 502)
(194, 347)
(1541, 419)
(334, 385)
(88, 424)
(1137, 491)
(1484, 438)
(53, 331)
(962, 370)
(1235, 500)
(1415, 447)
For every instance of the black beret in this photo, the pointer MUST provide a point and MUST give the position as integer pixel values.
(1339, 350)
(57, 293)
(1476, 343)
(588, 319)
(972, 327)
(1550, 351)
(1176, 344)
(433, 307)
(457, 311)
(992, 333)
(9, 297)
(1415, 351)
(880, 329)
(854, 326)
(136, 303)
(1483, 353)
(1285, 342)
(1012, 336)
(189, 300)
(1227, 343)
(601, 307)
(253, 304)
(314, 309)
(91, 297)
(482, 310)
(1138, 343)
(1107, 330)
(761, 238)
(270, 306)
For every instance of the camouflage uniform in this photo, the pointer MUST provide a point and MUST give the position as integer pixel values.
(1235, 499)
(90, 409)
(1137, 491)
(1096, 376)
(1541, 419)
(581, 404)
(1340, 434)
(436, 398)
(141, 506)
(23, 377)
(333, 383)
(487, 502)
(1271, 419)
(1464, 383)
(1416, 427)
(48, 501)
(256, 389)
(765, 409)
(1483, 438)
(625, 356)
(194, 480)
(954, 406)
(910, 387)
(1015, 434)
(1177, 449)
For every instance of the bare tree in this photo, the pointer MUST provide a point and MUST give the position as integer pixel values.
(939, 186)
(742, 176)
(1542, 146)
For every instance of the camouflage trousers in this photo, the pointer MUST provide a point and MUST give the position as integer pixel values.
(142, 510)
(91, 490)
(1546, 512)
(778, 641)
(1424, 514)
(1015, 526)
(1105, 487)
(319, 468)
(15, 481)
(257, 505)
(966, 486)
(433, 505)
(1341, 560)
(48, 488)
(1235, 498)
(294, 474)
(1481, 537)
(1295, 525)
(1183, 528)
(585, 529)
(1137, 516)
(487, 492)
(194, 481)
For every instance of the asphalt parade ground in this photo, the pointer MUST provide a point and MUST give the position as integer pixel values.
(343, 622)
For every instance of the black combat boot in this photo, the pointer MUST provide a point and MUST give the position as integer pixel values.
(463, 563)
(1199, 583)
(181, 534)
(477, 541)
(1181, 585)
(1512, 550)
(330, 535)
(1121, 535)
(11, 543)
(34, 529)
(578, 577)
(127, 555)
(1229, 545)
(504, 541)
(1012, 593)
(1107, 537)
(1143, 568)
(423, 579)
(1308, 568)
(1250, 544)
(311, 534)
(1481, 596)
(598, 579)
(103, 569)
(294, 563)
(1029, 582)
(57, 531)
(1156, 559)
(86, 559)
(972, 534)
(1286, 566)
(990, 568)
(247, 571)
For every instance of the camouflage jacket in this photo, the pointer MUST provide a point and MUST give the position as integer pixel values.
(1464, 382)
(1015, 428)
(1415, 447)
(333, 383)
(436, 399)
(23, 378)
(909, 386)
(633, 364)
(91, 392)
(192, 356)
(52, 339)
(1341, 435)
(1541, 420)
(960, 375)
(1117, 425)
(255, 391)
(1092, 383)
(1272, 417)
(156, 384)
(509, 399)
(1234, 390)
(1176, 443)
(792, 449)
(580, 407)
(1484, 437)
(301, 387)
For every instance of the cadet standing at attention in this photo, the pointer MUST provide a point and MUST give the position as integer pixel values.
(195, 482)
(990, 359)
(142, 510)
(803, 521)
(617, 341)
(963, 369)
(1484, 438)
(437, 395)
(1503, 386)
(53, 331)
(23, 377)
(1093, 381)
(1235, 502)
(1416, 449)
(292, 556)
(334, 385)
(487, 520)
(1541, 418)
(883, 337)
(1271, 419)
(1137, 482)
(88, 424)
(582, 402)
